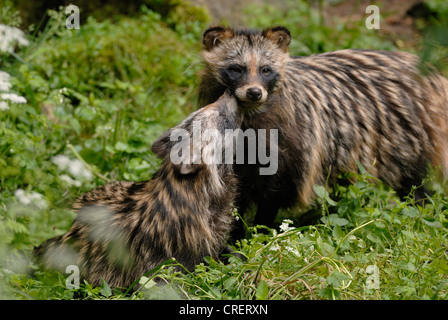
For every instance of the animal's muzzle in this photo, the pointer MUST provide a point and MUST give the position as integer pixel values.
(254, 94)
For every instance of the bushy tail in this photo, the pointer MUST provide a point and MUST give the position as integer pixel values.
(437, 107)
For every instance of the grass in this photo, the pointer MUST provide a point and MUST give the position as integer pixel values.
(99, 97)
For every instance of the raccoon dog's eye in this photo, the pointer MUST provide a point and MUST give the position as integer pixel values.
(237, 70)
(265, 70)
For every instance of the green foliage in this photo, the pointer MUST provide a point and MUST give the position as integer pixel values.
(9, 15)
(371, 230)
(98, 96)
(311, 32)
(435, 42)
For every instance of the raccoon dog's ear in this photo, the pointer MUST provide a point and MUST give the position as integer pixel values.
(280, 36)
(161, 147)
(215, 35)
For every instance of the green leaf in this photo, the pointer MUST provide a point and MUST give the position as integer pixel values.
(146, 282)
(335, 279)
(361, 167)
(441, 266)
(121, 146)
(337, 221)
(326, 248)
(431, 222)
(321, 192)
(229, 283)
(410, 212)
(74, 123)
(138, 164)
(105, 289)
(331, 202)
(334, 220)
(337, 232)
(374, 238)
(330, 293)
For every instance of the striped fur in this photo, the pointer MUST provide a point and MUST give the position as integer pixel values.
(331, 110)
(124, 229)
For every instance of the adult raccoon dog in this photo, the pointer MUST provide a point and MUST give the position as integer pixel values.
(125, 229)
(332, 110)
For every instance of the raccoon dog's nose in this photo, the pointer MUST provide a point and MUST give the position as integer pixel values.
(254, 94)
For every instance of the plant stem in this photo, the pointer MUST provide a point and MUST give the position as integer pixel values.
(78, 156)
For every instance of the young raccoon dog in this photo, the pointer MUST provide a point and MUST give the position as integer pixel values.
(124, 229)
(331, 110)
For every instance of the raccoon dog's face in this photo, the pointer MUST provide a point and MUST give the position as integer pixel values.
(201, 135)
(248, 62)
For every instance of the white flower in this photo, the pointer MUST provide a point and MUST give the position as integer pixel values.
(22, 197)
(5, 83)
(77, 169)
(9, 37)
(63, 90)
(32, 198)
(293, 250)
(14, 98)
(63, 162)
(70, 181)
(61, 94)
(38, 200)
(4, 106)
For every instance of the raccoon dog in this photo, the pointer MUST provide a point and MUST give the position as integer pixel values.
(332, 110)
(125, 229)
